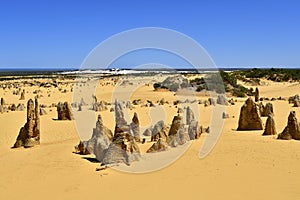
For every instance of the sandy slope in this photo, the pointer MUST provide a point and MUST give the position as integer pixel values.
(243, 165)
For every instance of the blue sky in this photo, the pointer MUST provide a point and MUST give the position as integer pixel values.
(61, 33)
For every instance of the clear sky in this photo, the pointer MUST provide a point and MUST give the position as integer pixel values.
(60, 33)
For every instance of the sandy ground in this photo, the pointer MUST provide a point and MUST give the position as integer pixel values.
(243, 165)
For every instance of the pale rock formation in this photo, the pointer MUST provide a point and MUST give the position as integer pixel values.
(135, 127)
(250, 117)
(158, 146)
(159, 131)
(222, 100)
(29, 134)
(270, 128)
(22, 97)
(292, 130)
(177, 134)
(64, 111)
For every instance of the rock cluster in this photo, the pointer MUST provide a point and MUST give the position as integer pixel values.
(123, 148)
(180, 133)
(112, 149)
(99, 106)
(293, 98)
(29, 134)
(250, 117)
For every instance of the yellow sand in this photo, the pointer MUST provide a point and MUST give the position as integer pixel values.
(243, 165)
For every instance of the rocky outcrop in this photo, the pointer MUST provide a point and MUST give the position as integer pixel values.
(82, 102)
(123, 148)
(194, 130)
(20, 107)
(2, 110)
(162, 102)
(293, 98)
(296, 103)
(292, 130)
(79, 108)
(212, 101)
(137, 102)
(119, 115)
(148, 132)
(64, 111)
(100, 106)
(2, 102)
(158, 146)
(267, 110)
(222, 100)
(159, 131)
(13, 107)
(173, 83)
(99, 142)
(189, 115)
(250, 117)
(129, 105)
(22, 97)
(29, 134)
(177, 134)
(261, 108)
(225, 115)
(135, 127)
(206, 103)
(256, 95)
(80, 149)
(43, 111)
(270, 128)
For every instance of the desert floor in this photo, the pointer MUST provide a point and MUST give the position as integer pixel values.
(242, 165)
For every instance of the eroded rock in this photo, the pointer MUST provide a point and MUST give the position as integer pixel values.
(270, 128)
(292, 130)
(256, 95)
(29, 134)
(250, 117)
(158, 146)
(64, 111)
